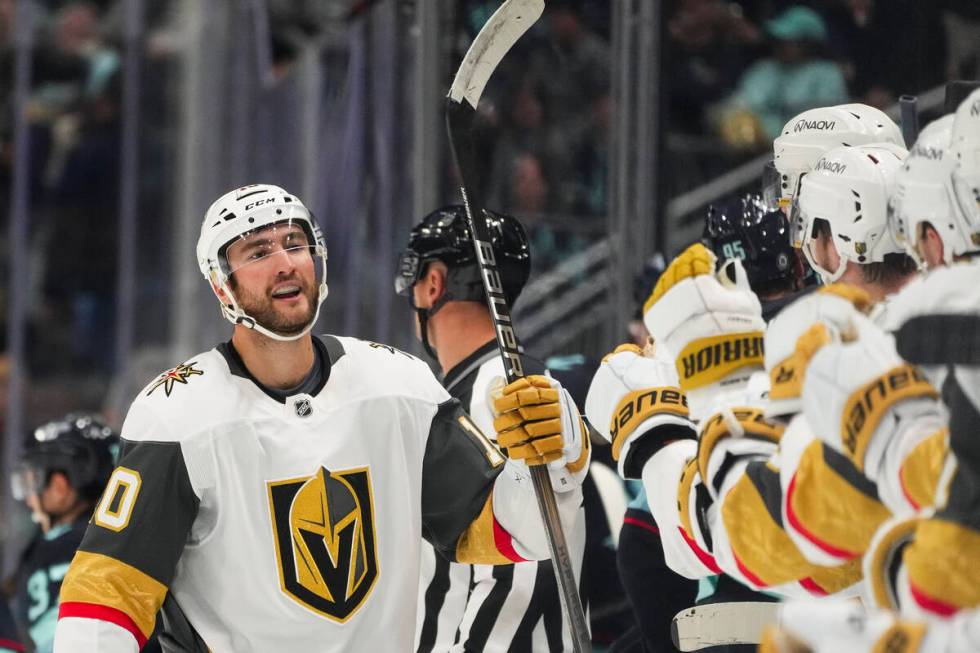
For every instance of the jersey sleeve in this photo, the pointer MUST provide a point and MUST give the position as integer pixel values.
(120, 575)
(458, 472)
(478, 507)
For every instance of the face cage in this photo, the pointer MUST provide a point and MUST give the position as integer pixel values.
(409, 269)
(235, 314)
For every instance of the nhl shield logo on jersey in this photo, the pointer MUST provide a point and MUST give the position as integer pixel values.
(326, 547)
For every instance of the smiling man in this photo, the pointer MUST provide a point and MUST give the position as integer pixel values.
(273, 492)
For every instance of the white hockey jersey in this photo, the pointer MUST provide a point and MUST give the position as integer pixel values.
(289, 525)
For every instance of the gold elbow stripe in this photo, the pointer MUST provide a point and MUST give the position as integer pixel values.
(866, 407)
(943, 562)
(831, 512)
(764, 551)
(477, 546)
(101, 580)
(922, 468)
(716, 429)
(707, 360)
(639, 405)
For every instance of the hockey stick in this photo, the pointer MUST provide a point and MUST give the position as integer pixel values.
(722, 624)
(909, 106)
(504, 28)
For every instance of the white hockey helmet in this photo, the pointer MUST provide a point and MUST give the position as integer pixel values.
(964, 147)
(235, 216)
(923, 192)
(811, 134)
(849, 189)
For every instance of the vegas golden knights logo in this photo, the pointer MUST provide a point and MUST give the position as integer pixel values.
(325, 541)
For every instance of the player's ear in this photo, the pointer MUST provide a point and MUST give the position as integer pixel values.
(435, 281)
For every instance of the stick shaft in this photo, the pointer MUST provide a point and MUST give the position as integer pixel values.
(460, 118)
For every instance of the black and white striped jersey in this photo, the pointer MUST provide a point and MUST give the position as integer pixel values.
(485, 607)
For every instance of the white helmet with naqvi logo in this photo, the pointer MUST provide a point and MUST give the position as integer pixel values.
(240, 213)
(924, 193)
(811, 134)
(849, 189)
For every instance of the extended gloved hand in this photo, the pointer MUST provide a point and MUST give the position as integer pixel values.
(537, 423)
(712, 323)
(636, 404)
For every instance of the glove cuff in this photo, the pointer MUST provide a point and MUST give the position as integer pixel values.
(708, 360)
(638, 406)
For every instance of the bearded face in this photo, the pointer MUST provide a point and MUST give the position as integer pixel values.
(286, 306)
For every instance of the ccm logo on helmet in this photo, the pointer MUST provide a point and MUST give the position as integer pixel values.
(817, 125)
(730, 351)
(251, 206)
(835, 167)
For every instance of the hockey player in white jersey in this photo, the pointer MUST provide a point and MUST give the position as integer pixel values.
(926, 565)
(272, 492)
(462, 607)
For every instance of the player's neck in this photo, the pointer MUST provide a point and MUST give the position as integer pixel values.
(459, 329)
(274, 364)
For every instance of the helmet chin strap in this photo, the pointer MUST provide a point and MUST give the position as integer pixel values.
(236, 315)
(424, 315)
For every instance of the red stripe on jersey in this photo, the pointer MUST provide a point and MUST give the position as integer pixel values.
(802, 530)
(12, 645)
(935, 606)
(642, 524)
(102, 613)
(811, 586)
(706, 558)
(905, 490)
(504, 543)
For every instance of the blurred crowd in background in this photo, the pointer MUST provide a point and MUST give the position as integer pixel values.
(734, 71)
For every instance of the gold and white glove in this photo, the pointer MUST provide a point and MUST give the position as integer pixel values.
(537, 423)
(864, 401)
(635, 403)
(711, 322)
(833, 307)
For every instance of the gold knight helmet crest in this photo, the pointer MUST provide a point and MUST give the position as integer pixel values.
(325, 538)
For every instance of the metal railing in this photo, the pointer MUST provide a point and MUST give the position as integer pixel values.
(556, 306)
